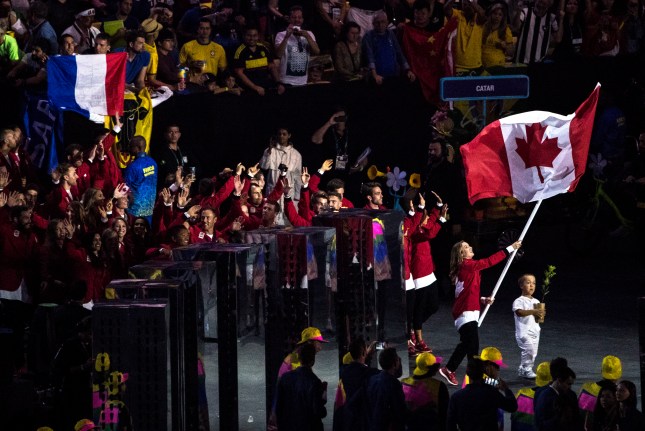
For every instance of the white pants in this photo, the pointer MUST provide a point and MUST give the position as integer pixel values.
(528, 345)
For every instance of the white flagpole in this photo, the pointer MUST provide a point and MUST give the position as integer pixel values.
(510, 260)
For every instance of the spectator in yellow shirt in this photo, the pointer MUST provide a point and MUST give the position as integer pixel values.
(202, 53)
(468, 46)
(498, 39)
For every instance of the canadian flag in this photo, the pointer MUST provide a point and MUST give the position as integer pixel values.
(531, 156)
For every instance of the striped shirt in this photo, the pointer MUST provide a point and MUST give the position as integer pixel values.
(535, 35)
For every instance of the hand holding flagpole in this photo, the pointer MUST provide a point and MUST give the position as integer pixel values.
(510, 260)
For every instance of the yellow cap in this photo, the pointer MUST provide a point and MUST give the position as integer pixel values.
(543, 374)
(424, 362)
(313, 334)
(612, 369)
(493, 355)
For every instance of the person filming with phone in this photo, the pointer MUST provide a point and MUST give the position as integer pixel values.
(333, 141)
(293, 47)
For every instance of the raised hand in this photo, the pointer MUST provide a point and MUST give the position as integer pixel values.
(12, 200)
(4, 179)
(422, 200)
(194, 210)
(179, 179)
(237, 223)
(239, 169)
(3, 200)
(121, 191)
(182, 198)
(238, 184)
(253, 169)
(287, 188)
(327, 165)
(444, 211)
(69, 227)
(305, 175)
(167, 197)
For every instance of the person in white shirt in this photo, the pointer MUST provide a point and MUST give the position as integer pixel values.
(527, 330)
(294, 46)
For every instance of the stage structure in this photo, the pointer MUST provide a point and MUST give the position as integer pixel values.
(149, 334)
(369, 299)
(302, 263)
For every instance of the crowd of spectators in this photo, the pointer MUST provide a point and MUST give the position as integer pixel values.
(272, 46)
(63, 239)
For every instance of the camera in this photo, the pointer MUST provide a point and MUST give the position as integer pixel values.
(283, 168)
(296, 28)
(340, 118)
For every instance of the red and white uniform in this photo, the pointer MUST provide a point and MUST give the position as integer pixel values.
(467, 287)
(421, 264)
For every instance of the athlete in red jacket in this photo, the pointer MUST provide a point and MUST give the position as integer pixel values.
(465, 273)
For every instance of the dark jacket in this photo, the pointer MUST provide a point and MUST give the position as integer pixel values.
(556, 412)
(386, 403)
(299, 404)
(475, 407)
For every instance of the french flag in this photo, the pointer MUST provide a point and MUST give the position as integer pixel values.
(91, 85)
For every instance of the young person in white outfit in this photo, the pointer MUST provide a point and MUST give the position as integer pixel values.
(527, 330)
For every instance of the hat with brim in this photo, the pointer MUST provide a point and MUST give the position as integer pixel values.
(424, 362)
(86, 12)
(492, 354)
(612, 368)
(543, 374)
(151, 26)
(311, 334)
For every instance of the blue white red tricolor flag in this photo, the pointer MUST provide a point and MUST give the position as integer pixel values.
(91, 85)
(531, 156)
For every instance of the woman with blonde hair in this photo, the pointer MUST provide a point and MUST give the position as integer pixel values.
(465, 273)
(497, 37)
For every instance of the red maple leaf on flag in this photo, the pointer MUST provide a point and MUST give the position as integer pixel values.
(536, 153)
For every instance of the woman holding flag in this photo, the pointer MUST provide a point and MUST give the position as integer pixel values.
(465, 274)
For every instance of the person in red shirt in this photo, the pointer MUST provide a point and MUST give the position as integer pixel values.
(205, 230)
(373, 196)
(7, 161)
(306, 210)
(18, 247)
(179, 237)
(421, 296)
(65, 193)
(465, 274)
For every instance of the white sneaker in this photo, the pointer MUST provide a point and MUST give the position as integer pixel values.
(526, 373)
